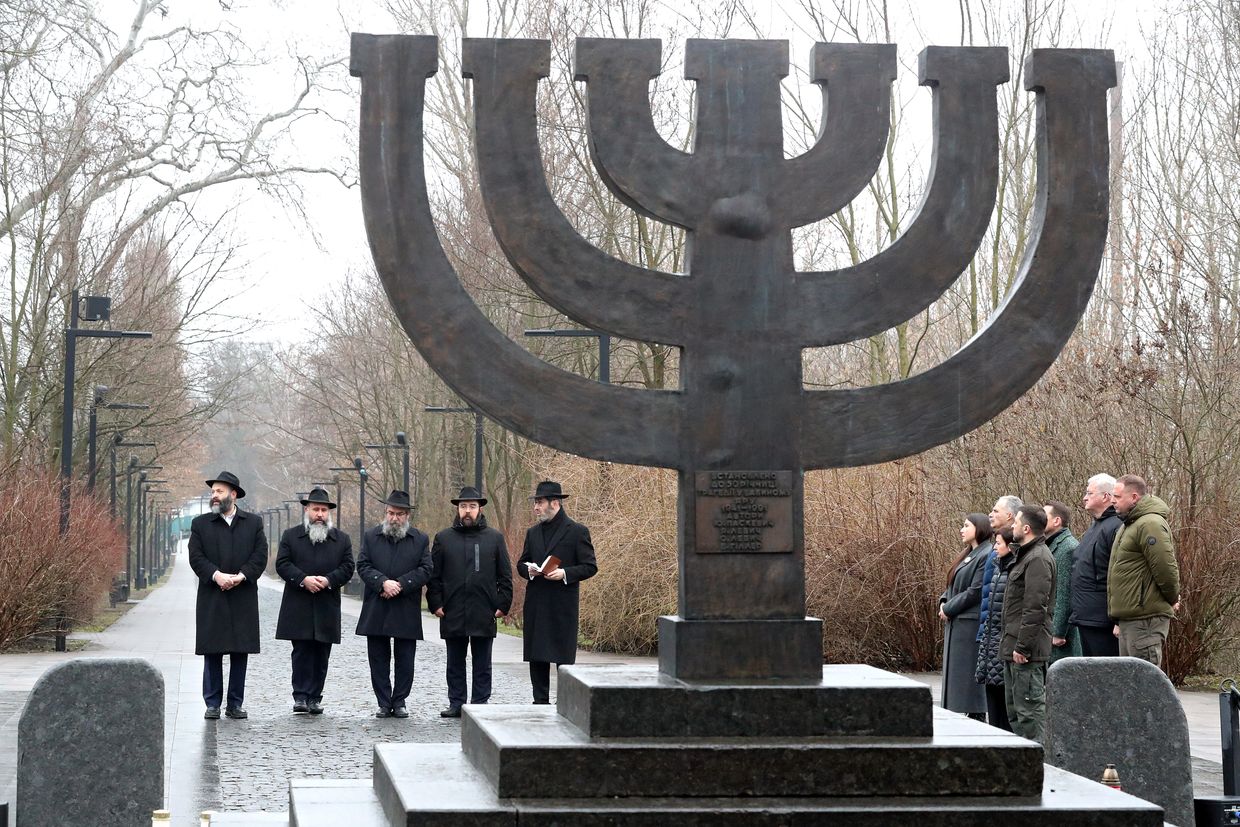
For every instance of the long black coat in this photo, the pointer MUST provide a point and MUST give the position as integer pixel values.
(1090, 560)
(550, 628)
(408, 562)
(306, 615)
(989, 669)
(961, 603)
(227, 621)
(471, 580)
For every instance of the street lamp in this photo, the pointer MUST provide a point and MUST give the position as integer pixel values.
(97, 309)
(97, 402)
(118, 441)
(130, 557)
(141, 581)
(604, 345)
(401, 444)
(477, 437)
(361, 505)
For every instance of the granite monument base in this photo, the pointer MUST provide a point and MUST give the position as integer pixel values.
(632, 746)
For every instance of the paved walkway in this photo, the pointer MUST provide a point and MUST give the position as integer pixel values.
(246, 765)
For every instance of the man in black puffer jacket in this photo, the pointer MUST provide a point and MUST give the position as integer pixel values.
(471, 585)
(1090, 561)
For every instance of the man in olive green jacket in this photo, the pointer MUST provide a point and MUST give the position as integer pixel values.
(1143, 579)
(1028, 604)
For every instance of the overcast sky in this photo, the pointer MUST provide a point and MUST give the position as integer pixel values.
(288, 262)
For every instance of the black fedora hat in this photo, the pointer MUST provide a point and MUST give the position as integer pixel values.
(398, 499)
(318, 496)
(229, 479)
(549, 490)
(469, 494)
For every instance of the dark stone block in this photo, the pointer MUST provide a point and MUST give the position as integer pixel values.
(91, 744)
(531, 752)
(1121, 711)
(740, 649)
(643, 702)
(445, 789)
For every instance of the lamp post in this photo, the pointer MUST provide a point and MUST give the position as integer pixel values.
(97, 309)
(152, 535)
(604, 345)
(477, 437)
(361, 503)
(402, 444)
(118, 441)
(96, 403)
(130, 557)
(141, 581)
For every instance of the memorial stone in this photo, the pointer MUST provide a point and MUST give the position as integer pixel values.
(91, 745)
(1121, 711)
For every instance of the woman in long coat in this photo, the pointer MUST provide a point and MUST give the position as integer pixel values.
(989, 672)
(959, 606)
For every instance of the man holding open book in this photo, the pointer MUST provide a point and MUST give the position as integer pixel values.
(557, 556)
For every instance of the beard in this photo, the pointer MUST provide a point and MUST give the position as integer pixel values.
(317, 530)
(546, 516)
(223, 505)
(395, 530)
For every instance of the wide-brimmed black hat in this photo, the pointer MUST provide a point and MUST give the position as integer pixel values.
(469, 494)
(549, 490)
(318, 496)
(229, 479)
(398, 499)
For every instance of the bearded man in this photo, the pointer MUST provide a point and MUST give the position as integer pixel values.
(395, 564)
(227, 552)
(471, 586)
(315, 560)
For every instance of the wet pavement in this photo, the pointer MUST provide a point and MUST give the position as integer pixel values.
(245, 766)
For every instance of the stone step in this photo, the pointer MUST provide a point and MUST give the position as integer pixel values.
(315, 802)
(434, 785)
(639, 701)
(531, 752)
(219, 819)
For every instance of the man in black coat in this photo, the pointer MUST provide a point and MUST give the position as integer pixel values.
(1090, 561)
(395, 564)
(228, 552)
(315, 560)
(471, 585)
(551, 599)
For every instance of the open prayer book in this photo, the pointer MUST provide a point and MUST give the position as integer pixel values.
(549, 565)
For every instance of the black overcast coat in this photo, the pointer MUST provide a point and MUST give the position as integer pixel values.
(550, 613)
(472, 579)
(306, 615)
(1090, 561)
(227, 621)
(407, 561)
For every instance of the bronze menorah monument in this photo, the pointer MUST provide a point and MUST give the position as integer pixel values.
(741, 716)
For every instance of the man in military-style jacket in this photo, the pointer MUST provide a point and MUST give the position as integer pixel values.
(552, 600)
(395, 564)
(227, 552)
(315, 561)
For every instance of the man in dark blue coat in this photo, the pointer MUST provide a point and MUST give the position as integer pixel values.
(228, 552)
(551, 599)
(315, 560)
(1090, 561)
(471, 586)
(395, 564)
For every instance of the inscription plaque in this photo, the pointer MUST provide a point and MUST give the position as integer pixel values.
(744, 512)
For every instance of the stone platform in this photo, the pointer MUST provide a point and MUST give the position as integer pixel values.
(630, 746)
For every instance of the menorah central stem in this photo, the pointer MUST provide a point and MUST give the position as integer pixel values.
(741, 543)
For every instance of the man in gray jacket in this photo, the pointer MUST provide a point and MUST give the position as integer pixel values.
(1028, 605)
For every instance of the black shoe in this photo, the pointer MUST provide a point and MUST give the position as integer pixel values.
(401, 712)
(300, 706)
(315, 708)
(450, 712)
(212, 713)
(383, 712)
(542, 703)
(235, 712)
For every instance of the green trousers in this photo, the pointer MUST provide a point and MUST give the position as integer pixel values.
(1024, 689)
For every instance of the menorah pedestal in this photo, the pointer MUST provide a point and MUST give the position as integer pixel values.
(633, 746)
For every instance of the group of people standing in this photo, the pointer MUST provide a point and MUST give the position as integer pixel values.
(1025, 592)
(465, 573)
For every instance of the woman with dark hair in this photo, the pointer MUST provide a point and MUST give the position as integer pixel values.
(989, 672)
(958, 607)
